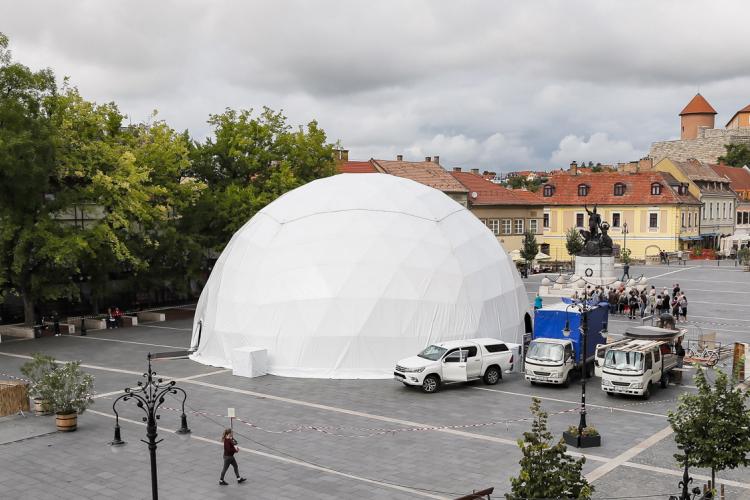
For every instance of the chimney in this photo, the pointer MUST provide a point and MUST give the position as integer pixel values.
(573, 168)
(437, 160)
(428, 158)
(631, 167)
(621, 167)
(645, 163)
(722, 162)
(456, 169)
(399, 157)
(475, 171)
(345, 154)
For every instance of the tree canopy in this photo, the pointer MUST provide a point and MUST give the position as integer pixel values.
(738, 155)
(714, 425)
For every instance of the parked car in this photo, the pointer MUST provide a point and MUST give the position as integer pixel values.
(455, 361)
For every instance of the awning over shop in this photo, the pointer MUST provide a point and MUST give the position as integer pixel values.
(708, 234)
(691, 238)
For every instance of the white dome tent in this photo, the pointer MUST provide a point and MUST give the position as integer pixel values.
(344, 276)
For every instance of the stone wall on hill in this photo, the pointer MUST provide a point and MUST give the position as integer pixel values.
(707, 147)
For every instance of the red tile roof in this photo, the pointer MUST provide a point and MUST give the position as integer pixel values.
(488, 193)
(698, 105)
(527, 195)
(744, 110)
(425, 172)
(739, 176)
(601, 189)
(356, 167)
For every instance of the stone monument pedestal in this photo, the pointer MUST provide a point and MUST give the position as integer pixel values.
(596, 270)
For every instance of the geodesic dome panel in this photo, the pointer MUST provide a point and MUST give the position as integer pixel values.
(344, 276)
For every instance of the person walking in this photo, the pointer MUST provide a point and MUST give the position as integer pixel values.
(612, 302)
(537, 302)
(652, 302)
(56, 322)
(679, 255)
(230, 448)
(625, 271)
(676, 291)
(118, 317)
(623, 303)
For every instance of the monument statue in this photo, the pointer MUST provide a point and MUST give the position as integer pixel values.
(596, 241)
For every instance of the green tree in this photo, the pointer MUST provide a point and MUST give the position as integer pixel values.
(246, 165)
(573, 241)
(625, 255)
(74, 187)
(714, 424)
(547, 471)
(738, 155)
(530, 248)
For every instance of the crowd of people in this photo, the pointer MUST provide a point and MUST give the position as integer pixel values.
(631, 303)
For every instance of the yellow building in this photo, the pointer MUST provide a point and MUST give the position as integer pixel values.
(646, 211)
(718, 200)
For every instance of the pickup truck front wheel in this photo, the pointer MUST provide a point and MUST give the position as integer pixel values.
(492, 375)
(430, 384)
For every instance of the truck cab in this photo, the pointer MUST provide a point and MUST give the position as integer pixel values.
(635, 366)
(550, 361)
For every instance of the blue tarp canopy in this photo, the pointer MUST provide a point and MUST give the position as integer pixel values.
(691, 238)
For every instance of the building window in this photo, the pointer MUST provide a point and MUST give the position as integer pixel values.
(730, 209)
(507, 226)
(619, 189)
(483, 221)
(653, 221)
(534, 225)
(724, 211)
(519, 226)
(545, 221)
(495, 226)
(690, 220)
(711, 210)
(739, 217)
(583, 190)
(683, 219)
(745, 216)
(616, 219)
(655, 188)
(579, 220)
(705, 212)
(549, 190)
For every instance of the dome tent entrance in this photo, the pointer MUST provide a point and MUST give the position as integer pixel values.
(344, 276)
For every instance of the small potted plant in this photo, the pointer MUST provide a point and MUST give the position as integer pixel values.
(68, 392)
(744, 256)
(589, 438)
(36, 371)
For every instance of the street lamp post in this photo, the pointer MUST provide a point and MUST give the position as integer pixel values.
(624, 235)
(149, 397)
(80, 291)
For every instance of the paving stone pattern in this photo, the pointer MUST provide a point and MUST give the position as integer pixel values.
(443, 463)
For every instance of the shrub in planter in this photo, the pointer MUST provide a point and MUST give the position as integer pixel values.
(588, 439)
(36, 371)
(68, 390)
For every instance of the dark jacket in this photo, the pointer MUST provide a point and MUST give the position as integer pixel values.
(229, 449)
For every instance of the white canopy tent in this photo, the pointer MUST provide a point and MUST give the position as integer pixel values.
(344, 276)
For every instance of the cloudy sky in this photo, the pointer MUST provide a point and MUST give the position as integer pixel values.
(489, 84)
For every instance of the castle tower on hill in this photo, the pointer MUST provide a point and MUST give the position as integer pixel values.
(698, 113)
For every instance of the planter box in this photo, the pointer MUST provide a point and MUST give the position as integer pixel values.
(586, 442)
(129, 321)
(17, 331)
(151, 316)
(184, 314)
(91, 324)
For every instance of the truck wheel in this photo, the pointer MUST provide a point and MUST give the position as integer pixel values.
(665, 380)
(647, 392)
(566, 384)
(590, 370)
(492, 375)
(430, 384)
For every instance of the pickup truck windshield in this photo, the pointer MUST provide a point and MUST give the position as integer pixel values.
(541, 351)
(433, 353)
(619, 360)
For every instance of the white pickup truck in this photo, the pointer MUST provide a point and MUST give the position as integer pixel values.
(455, 361)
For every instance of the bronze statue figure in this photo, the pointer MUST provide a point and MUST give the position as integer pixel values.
(596, 240)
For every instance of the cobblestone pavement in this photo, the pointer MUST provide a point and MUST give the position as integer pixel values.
(346, 461)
